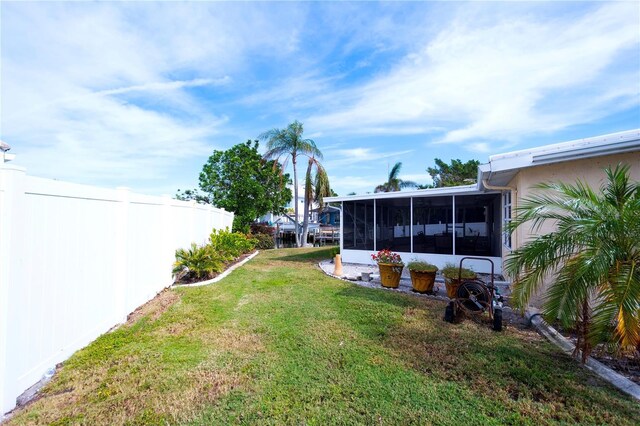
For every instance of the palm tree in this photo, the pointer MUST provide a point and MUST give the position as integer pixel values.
(315, 189)
(394, 183)
(289, 143)
(593, 258)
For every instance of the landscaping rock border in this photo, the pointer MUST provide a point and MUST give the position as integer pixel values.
(222, 275)
(619, 381)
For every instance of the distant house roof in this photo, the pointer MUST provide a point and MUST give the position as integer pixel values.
(501, 168)
(326, 208)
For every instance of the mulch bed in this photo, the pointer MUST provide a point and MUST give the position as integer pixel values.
(627, 365)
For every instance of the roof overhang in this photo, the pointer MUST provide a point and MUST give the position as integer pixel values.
(502, 168)
(432, 192)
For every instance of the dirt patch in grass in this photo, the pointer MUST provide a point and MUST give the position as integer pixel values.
(154, 307)
(136, 389)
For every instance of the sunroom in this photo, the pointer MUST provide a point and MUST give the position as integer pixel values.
(439, 225)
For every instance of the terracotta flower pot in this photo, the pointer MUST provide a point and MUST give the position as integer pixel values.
(390, 274)
(451, 285)
(422, 281)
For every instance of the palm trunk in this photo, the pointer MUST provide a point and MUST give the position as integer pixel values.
(583, 346)
(305, 223)
(295, 200)
(307, 199)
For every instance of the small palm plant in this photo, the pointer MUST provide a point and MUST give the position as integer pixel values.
(196, 262)
(592, 256)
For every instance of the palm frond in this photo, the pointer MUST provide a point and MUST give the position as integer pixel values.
(395, 171)
(592, 257)
(322, 186)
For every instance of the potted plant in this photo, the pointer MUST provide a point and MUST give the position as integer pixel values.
(451, 274)
(390, 265)
(423, 275)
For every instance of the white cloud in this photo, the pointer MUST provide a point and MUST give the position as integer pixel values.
(102, 92)
(115, 92)
(358, 157)
(502, 79)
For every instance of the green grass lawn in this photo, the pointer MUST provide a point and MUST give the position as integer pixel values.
(278, 342)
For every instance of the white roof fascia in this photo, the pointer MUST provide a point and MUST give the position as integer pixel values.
(566, 151)
(432, 192)
(504, 166)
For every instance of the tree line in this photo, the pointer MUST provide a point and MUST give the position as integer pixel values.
(251, 185)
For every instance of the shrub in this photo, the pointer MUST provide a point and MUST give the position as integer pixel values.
(264, 241)
(450, 270)
(262, 228)
(196, 263)
(230, 245)
(334, 251)
(421, 266)
(203, 262)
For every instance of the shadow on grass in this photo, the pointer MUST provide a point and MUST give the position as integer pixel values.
(315, 254)
(516, 368)
(355, 292)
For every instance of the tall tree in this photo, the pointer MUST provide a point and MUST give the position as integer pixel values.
(394, 183)
(290, 144)
(241, 181)
(593, 258)
(454, 174)
(192, 195)
(316, 187)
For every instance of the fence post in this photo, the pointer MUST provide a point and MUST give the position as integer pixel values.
(121, 262)
(168, 231)
(12, 181)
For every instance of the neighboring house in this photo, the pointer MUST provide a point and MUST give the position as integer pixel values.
(287, 219)
(445, 224)
(328, 215)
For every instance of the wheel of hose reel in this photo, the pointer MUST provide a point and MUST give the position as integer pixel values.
(473, 296)
(497, 320)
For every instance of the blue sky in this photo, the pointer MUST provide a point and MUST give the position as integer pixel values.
(139, 94)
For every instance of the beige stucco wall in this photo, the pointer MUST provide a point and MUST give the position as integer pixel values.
(589, 170)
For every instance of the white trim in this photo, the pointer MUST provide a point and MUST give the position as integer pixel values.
(453, 224)
(432, 192)
(505, 166)
(506, 220)
(364, 257)
(375, 226)
(411, 224)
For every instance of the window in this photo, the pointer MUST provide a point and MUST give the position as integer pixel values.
(506, 218)
(474, 226)
(432, 225)
(358, 225)
(393, 224)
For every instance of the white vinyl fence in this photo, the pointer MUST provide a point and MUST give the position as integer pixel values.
(75, 260)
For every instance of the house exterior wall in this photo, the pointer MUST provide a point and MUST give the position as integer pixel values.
(590, 171)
